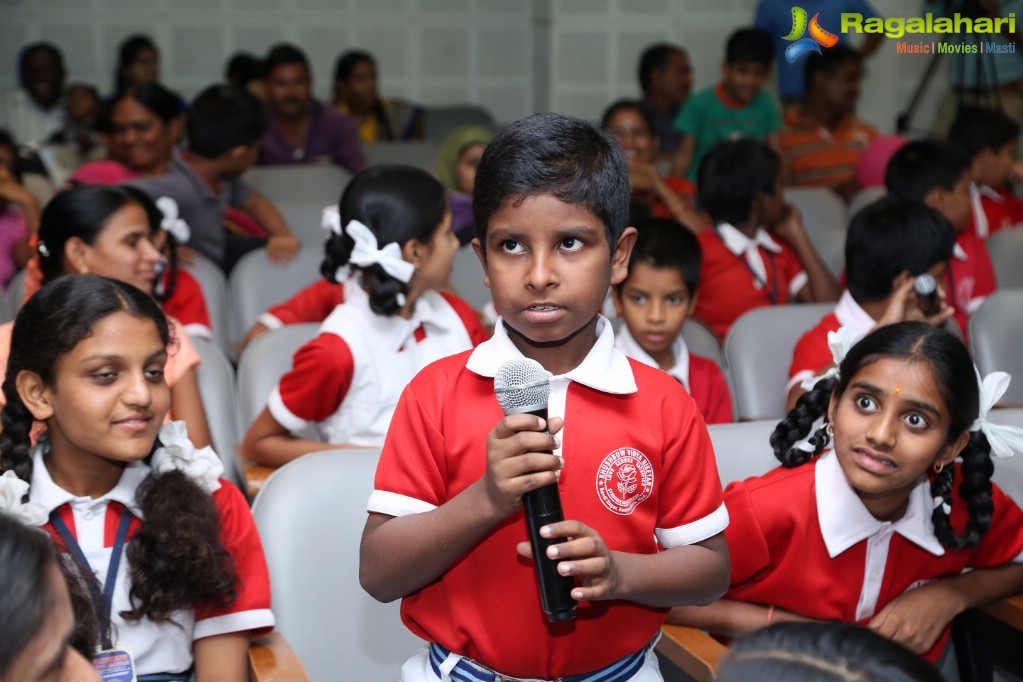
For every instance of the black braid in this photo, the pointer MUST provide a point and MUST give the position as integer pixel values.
(15, 442)
(975, 490)
(797, 424)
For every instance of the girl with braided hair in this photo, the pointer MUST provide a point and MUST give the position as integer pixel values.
(167, 551)
(879, 529)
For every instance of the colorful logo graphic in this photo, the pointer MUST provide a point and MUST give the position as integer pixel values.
(811, 43)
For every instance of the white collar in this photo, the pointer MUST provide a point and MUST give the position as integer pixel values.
(844, 521)
(604, 368)
(851, 315)
(47, 493)
(626, 343)
(391, 332)
(959, 253)
(979, 216)
(738, 243)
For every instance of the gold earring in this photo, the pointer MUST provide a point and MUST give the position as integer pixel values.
(938, 466)
(829, 430)
(84, 270)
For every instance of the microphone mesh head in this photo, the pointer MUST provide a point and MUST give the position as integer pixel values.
(521, 384)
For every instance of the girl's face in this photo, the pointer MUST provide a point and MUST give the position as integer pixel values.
(123, 249)
(360, 90)
(633, 135)
(109, 396)
(433, 266)
(891, 427)
(139, 138)
(467, 162)
(145, 68)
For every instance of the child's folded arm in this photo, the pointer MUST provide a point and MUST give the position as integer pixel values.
(729, 617)
(687, 574)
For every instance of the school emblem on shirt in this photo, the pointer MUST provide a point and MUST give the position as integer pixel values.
(624, 479)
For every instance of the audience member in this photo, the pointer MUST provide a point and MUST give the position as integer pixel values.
(644, 527)
(302, 129)
(938, 175)
(246, 71)
(989, 137)
(821, 652)
(670, 197)
(35, 111)
(757, 252)
(888, 245)
(42, 638)
(189, 586)
(822, 138)
(379, 119)
(666, 78)
(19, 213)
(224, 127)
(391, 245)
(775, 18)
(80, 133)
(735, 107)
(138, 63)
(654, 300)
(455, 167)
(887, 528)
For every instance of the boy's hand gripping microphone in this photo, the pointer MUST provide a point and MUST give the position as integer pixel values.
(522, 388)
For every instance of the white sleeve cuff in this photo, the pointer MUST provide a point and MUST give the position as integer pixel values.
(256, 619)
(270, 321)
(797, 378)
(199, 331)
(280, 412)
(798, 282)
(974, 304)
(694, 532)
(393, 504)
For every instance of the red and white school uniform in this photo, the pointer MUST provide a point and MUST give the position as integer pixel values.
(969, 279)
(188, 305)
(312, 304)
(161, 647)
(812, 353)
(700, 376)
(993, 210)
(348, 379)
(639, 469)
(801, 540)
(739, 274)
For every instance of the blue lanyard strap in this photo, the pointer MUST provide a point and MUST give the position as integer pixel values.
(772, 292)
(104, 600)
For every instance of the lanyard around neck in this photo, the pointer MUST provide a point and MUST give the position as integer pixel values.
(104, 601)
(772, 292)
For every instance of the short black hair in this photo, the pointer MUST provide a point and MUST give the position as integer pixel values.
(31, 49)
(667, 244)
(890, 236)
(623, 105)
(733, 174)
(749, 45)
(568, 158)
(829, 61)
(347, 62)
(922, 166)
(655, 57)
(243, 68)
(223, 117)
(284, 53)
(978, 128)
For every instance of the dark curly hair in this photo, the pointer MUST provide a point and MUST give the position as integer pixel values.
(397, 203)
(956, 378)
(176, 559)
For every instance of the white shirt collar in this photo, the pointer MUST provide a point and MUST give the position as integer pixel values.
(604, 368)
(47, 493)
(749, 249)
(844, 521)
(626, 343)
(851, 315)
(392, 332)
(959, 253)
(979, 216)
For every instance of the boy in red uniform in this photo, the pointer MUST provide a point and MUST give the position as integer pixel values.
(655, 300)
(758, 252)
(632, 459)
(939, 176)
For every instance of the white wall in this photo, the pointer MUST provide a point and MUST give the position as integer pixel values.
(514, 56)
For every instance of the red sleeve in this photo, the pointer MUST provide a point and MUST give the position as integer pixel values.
(469, 318)
(250, 609)
(187, 303)
(789, 268)
(985, 284)
(320, 376)
(812, 353)
(1003, 541)
(747, 544)
(312, 304)
(715, 401)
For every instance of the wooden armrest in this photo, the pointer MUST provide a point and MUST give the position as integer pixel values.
(255, 476)
(271, 659)
(1008, 610)
(694, 651)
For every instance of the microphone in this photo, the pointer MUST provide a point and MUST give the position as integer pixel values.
(522, 388)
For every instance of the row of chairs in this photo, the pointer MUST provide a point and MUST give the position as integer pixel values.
(310, 514)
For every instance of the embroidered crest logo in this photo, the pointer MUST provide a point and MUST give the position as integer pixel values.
(624, 479)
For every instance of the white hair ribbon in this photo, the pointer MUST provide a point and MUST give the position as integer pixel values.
(945, 506)
(331, 220)
(172, 222)
(1004, 440)
(176, 453)
(366, 253)
(840, 342)
(12, 490)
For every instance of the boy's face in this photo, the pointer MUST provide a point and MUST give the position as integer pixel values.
(954, 204)
(675, 79)
(743, 79)
(288, 89)
(654, 302)
(993, 166)
(769, 207)
(548, 266)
